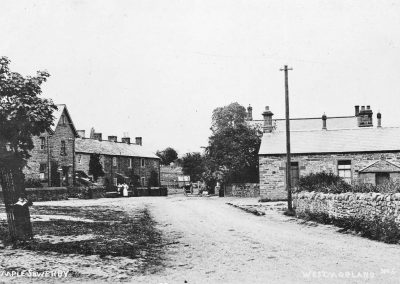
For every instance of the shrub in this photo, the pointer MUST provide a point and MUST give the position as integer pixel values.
(323, 182)
(33, 183)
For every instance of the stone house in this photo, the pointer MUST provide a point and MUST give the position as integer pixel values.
(52, 157)
(351, 147)
(121, 161)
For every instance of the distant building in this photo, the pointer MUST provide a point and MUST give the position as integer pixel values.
(51, 159)
(170, 176)
(122, 161)
(349, 146)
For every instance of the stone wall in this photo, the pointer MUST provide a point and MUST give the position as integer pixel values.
(273, 168)
(340, 206)
(242, 190)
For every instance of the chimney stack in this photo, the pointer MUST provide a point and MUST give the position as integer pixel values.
(98, 136)
(324, 121)
(81, 133)
(357, 110)
(138, 140)
(267, 114)
(364, 118)
(112, 138)
(249, 113)
(379, 118)
(126, 140)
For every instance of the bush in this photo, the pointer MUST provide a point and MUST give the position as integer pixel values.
(382, 229)
(323, 182)
(33, 183)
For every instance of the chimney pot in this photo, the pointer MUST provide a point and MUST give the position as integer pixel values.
(249, 113)
(368, 107)
(362, 108)
(379, 118)
(126, 140)
(324, 121)
(357, 110)
(267, 114)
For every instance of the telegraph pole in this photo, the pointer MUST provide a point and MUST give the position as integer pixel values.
(288, 168)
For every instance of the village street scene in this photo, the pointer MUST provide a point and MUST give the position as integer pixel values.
(199, 142)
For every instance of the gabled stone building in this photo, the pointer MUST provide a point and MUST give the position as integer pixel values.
(351, 147)
(122, 161)
(52, 157)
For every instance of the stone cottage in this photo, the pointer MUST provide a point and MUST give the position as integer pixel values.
(121, 161)
(52, 157)
(351, 147)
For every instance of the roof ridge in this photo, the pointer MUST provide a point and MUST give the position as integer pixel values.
(307, 118)
(340, 129)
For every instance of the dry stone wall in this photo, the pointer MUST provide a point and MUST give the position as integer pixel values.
(242, 190)
(344, 205)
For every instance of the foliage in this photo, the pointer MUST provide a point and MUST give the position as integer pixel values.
(23, 113)
(95, 167)
(33, 183)
(232, 154)
(167, 156)
(153, 180)
(323, 182)
(228, 116)
(193, 165)
(331, 183)
(383, 229)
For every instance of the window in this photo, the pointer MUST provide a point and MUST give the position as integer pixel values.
(142, 162)
(63, 120)
(115, 181)
(63, 150)
(344, 170)
(42, 143)
(114, 160)
(295, 172)
(79, 159)
(130, 163)
(42, 171)
(143, 181)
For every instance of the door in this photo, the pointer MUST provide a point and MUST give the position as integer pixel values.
(381, 178)
(294, 177)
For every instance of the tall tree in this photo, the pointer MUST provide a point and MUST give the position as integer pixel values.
(23, 114)
(95, 167)
(193, 165)
(232, 153)
(167, 156)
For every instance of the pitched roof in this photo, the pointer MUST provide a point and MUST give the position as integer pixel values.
(92, 146)
(57, 115)
(366, 139)
(381, 166)
(313, 123)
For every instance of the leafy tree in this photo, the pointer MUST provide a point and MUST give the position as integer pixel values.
(23, 114)
(167, 156)
(95, 167)
(232, 153)
(193, 165)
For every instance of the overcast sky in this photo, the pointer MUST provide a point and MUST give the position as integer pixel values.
(157, 69)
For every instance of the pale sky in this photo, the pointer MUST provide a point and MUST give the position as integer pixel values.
(157, 69)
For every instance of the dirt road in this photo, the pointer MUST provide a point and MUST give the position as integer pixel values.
(208, 241)
(212, 242)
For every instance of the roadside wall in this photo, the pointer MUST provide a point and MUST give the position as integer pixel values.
(340, 206)
(242, 190)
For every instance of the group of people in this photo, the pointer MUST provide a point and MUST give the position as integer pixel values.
(122, 189)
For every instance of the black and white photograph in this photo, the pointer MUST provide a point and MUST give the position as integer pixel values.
(199, 141)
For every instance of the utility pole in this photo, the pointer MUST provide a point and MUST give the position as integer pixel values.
(288, 168)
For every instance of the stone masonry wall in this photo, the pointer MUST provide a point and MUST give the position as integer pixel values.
(273, 168)
(339, 206)
(242, 190)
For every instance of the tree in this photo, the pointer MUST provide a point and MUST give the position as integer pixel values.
(193, 165)
(95, 167)
(232, 153)
(23, 114)
(167, 156)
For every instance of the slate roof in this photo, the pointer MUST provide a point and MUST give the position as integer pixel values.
(366, 139)
(314, 123)
(92, 146)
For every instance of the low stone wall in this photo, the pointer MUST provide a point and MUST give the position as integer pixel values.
(344, 205)
(242, 190)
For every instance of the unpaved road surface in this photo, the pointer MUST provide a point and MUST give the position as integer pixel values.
(207, 241)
